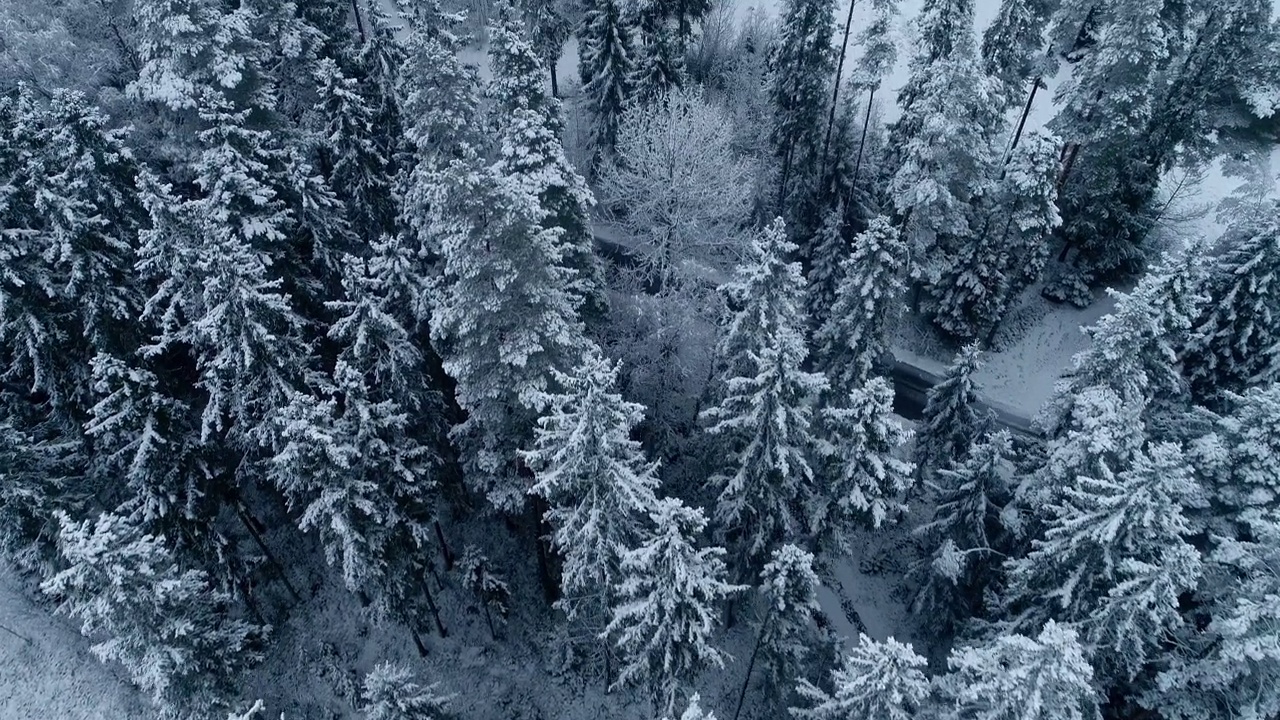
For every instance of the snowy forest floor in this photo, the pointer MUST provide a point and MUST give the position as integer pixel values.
(49, 672)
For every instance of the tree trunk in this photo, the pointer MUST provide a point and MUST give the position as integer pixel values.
(417, 641)
(1022, 121)
(550, 589)
(445, 552)
(751, 664)
(431, 605)
(555, 81)
(248, 522)
(355, 8)
(835, 92)
(488, 619)
(862, 141)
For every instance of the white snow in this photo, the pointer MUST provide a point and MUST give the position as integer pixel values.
(48, 673)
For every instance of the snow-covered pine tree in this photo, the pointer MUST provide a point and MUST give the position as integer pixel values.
(34, 486)
(788, 634)
(1236, 340)
(875, 62)
(1221, 71)
(862, 480)
(528, 126)
(965, 533)
(146, 437)
(1013, 45)
(803, 61)
(763, 410)
(868, 299)
(945, 162)
(390, 693)
(1113, 561)
(1105, 107)
(941, 27)
(951, 422)
(1046, 678)
(986, 274)
(830, 248)
(670, 604)
(440, 104)
(1233, 668)
(172, 631)
(360, 464)
(606, 59)
(877, 681)
(502, 320)
(489, 589)
(659, 62)
(1027, 210)
(68, 235)
(550, 25)
(596, 479)
(216, 294)
(1239, 458)
(356, 151)
(1134, 349)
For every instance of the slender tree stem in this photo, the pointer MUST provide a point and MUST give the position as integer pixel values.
(248, 523)
(445, 552)
(431, 605)
(751, 664)
(862, 141)
(355, 8)
(835, 91)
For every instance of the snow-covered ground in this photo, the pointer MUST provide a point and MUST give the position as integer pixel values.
(48, 672)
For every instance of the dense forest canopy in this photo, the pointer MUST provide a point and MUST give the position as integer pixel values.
(408, 324)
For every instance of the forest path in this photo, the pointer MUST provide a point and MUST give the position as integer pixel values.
(47, 671)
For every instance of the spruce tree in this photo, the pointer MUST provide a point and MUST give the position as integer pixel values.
(68, 236)
(605, 64)
(876, 681)
(984, 276)
(502, 321)
(390, 693)
(1236, 340)
(951, 421)
(943, 25)
(945, 162)
(357, 151)
(1233, 668)
(788, 637)
(1239, 456)
(830, 249)
(360, 463)
(528, 126)
(763, 411)
(669, 604)
(1134, 349)
(966, 534)
(596, 479)
(862, 481)
(35, 484)
(173, 632)
(694, 711)
(1013, 44)
(802, 63)
(1105, 107)
(1016, 676)
(440, 101)
(659, 63)
(1114, 560)
(855, 337)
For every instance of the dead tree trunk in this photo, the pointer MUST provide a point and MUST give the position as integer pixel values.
(249, 524)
